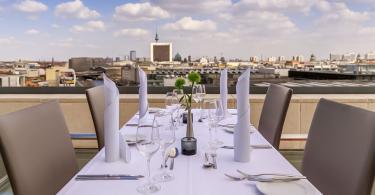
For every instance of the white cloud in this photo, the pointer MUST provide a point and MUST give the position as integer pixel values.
(323, 5)
(340, 13)
(68, 42)
(133, 32)
(91, 26)
(139, 11)
(75, 9)
(31, 6)
(263, 25)
(367, 31)
(7, 40)
(32, 32)
(189, 24)
(55, 26)
(188, 6)
(293, 5)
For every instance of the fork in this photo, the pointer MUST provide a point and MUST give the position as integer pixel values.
(259, 179)
(236, 178)
(256, 177)
(265, 174)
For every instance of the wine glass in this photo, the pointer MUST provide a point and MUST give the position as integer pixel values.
(215, 115)
(179, 93)
(166, 138)
(172, 105)
(147, 144)
(199, 91)
(202, 95)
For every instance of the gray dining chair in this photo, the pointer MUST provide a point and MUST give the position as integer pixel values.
(95, 98)
(273, 113)
(37, 150)
(340, 150)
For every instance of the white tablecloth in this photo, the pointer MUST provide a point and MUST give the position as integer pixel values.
(190, 177)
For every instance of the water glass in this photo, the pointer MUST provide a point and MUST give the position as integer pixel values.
(172, 105)
(148, 143)
(199, 92)
(215, 115)
(166, 135)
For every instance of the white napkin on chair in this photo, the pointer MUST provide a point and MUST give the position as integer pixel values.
(111, 120)
(241, 130)
(143, 102)
(224, 91)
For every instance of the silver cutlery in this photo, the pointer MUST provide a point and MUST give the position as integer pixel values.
(214, 155)
(278, 178)
(227, 125)
(265, 174)
(260, 146)
(236, 178)
(136, 125)
(243, 177)
(108, 177)
(207, 163)
(173, 153)
(105, 178)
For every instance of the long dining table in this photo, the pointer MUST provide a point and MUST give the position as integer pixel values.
(190, 178)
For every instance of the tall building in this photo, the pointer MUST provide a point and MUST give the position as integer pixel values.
(271, 59)
(300, 58)
(133, 55)
(254, 59)
(335, 57)
(160, 52)
(370, 56)
(350, 57)
(281, 58)
(312, 58)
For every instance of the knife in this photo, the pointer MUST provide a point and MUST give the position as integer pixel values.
(276, 179)
(136, 125)
(108, 177)
(105, 178)
(252, 146)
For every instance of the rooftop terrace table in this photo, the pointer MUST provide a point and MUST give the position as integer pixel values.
(190, 177)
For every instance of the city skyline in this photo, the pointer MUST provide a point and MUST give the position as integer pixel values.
(234, 29)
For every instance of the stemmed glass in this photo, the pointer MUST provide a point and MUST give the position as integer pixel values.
(148, 144)
(166, 138)
(179, 93)
(199, 92)
(215, 115)
(172, 105)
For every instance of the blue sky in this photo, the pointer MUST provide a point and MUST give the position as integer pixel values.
(42, 29)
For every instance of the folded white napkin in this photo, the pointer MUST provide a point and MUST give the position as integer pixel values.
(241, 132)
(224, 92)
(143, 102)
(111, 120)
